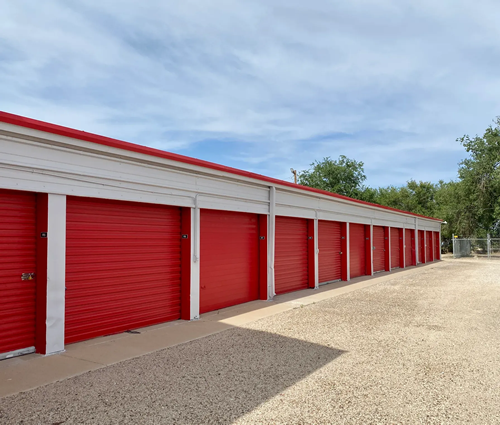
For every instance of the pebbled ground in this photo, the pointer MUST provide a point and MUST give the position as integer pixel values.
(423, 347)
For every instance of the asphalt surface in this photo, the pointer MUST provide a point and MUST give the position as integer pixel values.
(422, 347)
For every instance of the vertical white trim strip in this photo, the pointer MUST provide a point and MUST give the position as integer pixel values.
(371, 247)
(316, 252)
(425, 245)
(56, 273)
(416, 238)
(271, 243)
(404, 246)
(390, 262)
(195, 264)
(348, 245)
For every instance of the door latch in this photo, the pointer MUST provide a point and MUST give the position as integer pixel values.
(27, 276)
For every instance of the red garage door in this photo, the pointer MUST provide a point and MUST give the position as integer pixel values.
(122, 266)
(395, 248)
(421, 246)
(357, 250)
(409, 247)
(378, 249)
(437, 248)
(229, 249)
(17, 256)
(329, 245)
(430, 247)
(291, 255)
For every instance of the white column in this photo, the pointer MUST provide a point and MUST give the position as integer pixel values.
(417, 251)
(404, 246)
(347, 253)
(271, 243)
(195, 263)
(316, 252)
(425, 246)
(390, 262)
(371, 247)
(56, 273)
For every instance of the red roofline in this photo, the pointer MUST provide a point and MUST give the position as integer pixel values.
(114, 143)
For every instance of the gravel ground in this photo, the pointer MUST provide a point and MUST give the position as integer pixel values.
(423, 347)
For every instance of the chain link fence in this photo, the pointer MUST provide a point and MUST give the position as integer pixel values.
(477, 247)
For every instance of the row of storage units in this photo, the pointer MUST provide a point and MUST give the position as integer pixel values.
(124, 261)
(99, 236)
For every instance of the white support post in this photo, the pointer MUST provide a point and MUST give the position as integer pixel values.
(390, 248)
(417, 251)
(56, 273)
(347, 253)
(195, 263)
(316, 252)
(371, 247)
(425, 246)
(271, 243)
(404, 246)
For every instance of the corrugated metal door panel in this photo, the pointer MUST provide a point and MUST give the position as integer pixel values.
(17, 256)
(430, 247)
(378, 249)
(357, 248)
(329, 245)
(395, 249)
(291, 255)
(421, 246)
(408, 245)
(437, 248)
(122, 266)
(229, 252)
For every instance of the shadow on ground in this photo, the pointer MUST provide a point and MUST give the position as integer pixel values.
(215, 379)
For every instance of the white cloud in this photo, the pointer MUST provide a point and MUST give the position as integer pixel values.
(273, 78)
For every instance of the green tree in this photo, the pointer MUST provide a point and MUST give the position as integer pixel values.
(344, 176)
(479, 176)
(416, 197)
(451, 206)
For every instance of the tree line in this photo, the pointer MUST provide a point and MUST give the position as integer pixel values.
(470, 204)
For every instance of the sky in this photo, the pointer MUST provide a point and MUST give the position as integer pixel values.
(262, 85)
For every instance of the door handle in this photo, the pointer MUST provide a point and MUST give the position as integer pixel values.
(27, 276)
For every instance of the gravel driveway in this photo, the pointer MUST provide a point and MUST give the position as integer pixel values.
(423, 347)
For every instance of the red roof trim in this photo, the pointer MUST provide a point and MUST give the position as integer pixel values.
(114, 143)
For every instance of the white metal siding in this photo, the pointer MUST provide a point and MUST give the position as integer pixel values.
(37, 161)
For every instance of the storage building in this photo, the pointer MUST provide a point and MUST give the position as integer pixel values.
(99, 236)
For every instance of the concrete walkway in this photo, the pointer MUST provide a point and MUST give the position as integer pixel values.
(34, 370)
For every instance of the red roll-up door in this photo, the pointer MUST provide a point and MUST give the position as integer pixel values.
(17, 256)
(395, 249)
(329, 245)
(122, 266)
(357, 250)
(229, 250)
(421, 246)
(378, 249)
(430, 247)
(437, 248)
(291, 255)
(408, 247)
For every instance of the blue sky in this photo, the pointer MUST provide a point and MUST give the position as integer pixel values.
(262, 85)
